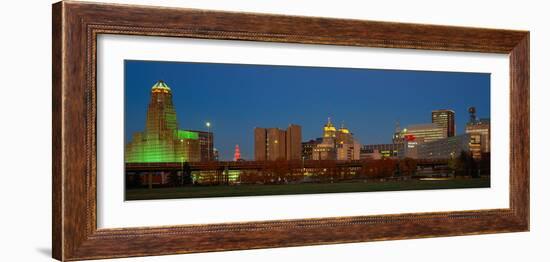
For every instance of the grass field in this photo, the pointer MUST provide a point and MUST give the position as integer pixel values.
(291, 189)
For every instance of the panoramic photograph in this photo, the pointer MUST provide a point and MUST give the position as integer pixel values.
(198, 130)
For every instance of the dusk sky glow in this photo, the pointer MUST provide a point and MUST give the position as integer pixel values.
(235, 98)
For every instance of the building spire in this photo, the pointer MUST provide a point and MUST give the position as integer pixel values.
(160, 87)
(237, 154)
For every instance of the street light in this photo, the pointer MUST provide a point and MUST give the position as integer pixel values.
(209, 138)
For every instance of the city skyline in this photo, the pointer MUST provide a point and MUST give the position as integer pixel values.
(236, 98)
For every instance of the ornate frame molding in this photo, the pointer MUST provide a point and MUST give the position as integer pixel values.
(76, 26)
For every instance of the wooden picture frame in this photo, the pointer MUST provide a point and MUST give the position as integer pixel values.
(76, 26)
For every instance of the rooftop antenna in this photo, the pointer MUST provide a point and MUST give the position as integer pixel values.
(397, 127)
(472, 111)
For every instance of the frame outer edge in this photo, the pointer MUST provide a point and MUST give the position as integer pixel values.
(72, 240)
(57, 173)
(520, 130)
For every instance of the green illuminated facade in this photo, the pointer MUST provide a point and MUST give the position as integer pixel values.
(162, 141)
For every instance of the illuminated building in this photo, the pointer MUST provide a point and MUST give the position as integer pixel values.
(445, 118)
(206, 144)
(162, 141)
(445, 148)
(385, 150)
(307, 148)
(480, 133)
(336, 144)
(417, 134)
(348, 151)
(326, 150)
(424, 132)
(276, 144)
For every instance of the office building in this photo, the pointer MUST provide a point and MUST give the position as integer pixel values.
(409, 138)
(480, 137)
(206, 144)
(424, 132)
(277, 144)
(445, 148)
(293, 142)
(348, 151)
(324, 151)
(307, 148)
(445, 118)
(385, 150)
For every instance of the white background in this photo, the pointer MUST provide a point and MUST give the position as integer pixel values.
(25, 194)
(114, 212)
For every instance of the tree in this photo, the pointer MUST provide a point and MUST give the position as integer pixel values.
(187, 179)
(485, 164)
(469, 164)
(133, 181)
(173, 179)
(464, 165)
(454, 166)
(407, 166)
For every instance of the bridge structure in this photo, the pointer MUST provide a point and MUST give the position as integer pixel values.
(259, 165)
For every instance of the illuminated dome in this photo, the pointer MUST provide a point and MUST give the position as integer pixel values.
(343, 129)
(160, 87)
(330, 125)
(329, 129)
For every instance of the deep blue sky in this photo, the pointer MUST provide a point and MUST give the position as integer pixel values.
(236, 98)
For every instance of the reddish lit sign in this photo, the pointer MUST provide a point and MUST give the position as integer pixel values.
(410, 138)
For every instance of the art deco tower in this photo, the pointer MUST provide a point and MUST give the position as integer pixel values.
(161, 115)
(162, 141)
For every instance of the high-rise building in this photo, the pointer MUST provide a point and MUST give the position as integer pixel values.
(293, 142)
(206, 144)
(162, 141)
(276, 144)
(445, 118)
(336, 144)
(480, 137)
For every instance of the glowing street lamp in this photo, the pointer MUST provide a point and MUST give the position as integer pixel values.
(209, 138)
